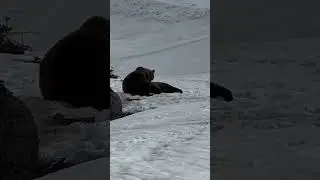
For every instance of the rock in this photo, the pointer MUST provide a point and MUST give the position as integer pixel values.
(114, 112)
(115, 106)
(19, 140)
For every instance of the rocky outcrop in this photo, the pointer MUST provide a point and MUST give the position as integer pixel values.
(19, 141)
(115, 106)
(64, 114)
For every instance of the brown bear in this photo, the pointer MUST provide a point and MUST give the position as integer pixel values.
(220, 91)
(167, 88)
(139, 83)
(76, 69)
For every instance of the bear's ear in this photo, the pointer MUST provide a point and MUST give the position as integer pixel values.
(153, 71)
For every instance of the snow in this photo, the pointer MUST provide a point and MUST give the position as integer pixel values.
(163, 143)
(171, 142)
(168, 137)
(92, 169)
(273, 123)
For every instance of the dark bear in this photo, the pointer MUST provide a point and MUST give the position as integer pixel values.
(76, 69)
(167, 88)
(219, 91)
(139, 83)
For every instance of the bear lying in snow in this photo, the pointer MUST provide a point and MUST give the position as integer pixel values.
(139, 82)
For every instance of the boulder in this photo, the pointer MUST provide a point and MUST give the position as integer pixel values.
(19, 140)
(115, 106)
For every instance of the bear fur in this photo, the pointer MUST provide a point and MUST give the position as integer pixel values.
(167, 88)
(220, 91)
(76, 69)
(139, 83)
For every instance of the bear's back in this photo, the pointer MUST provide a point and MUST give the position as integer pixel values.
(134, 80)
(75, 67)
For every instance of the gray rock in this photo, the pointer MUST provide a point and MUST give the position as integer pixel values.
(19, 140)
(115, 106)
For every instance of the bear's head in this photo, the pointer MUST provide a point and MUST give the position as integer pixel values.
(149, 73)
(96, 26)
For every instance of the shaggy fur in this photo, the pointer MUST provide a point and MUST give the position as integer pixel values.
(167, 88)
(138, 82)
(76, 69)
(219, 91)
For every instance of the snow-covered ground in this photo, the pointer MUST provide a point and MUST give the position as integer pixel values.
(169, 139)
(274, 122)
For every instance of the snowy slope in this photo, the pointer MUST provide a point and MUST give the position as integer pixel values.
(170, 142)
(274, 122)
(169, 139)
